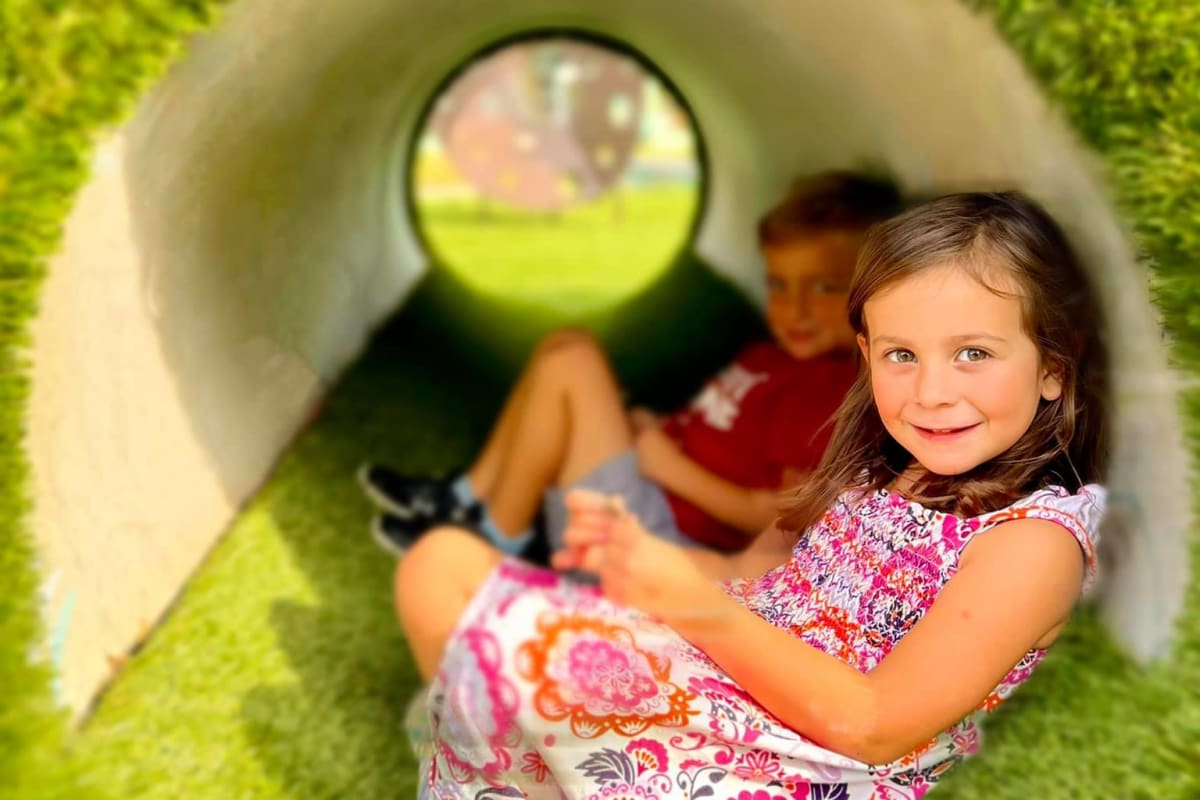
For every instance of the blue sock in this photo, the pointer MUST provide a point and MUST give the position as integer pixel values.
(461, 486)
(465, 494)
(511, 545)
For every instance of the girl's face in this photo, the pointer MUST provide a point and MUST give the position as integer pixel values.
(956, 380)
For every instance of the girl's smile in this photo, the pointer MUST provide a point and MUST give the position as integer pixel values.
(944, 434)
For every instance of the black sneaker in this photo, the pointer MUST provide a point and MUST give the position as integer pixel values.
(396, 535)
(409, 498)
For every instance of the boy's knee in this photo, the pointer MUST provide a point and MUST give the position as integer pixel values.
(575, 358)
(567, 339)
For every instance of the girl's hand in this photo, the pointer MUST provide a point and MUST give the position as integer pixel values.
(636, 568)
(590, 517)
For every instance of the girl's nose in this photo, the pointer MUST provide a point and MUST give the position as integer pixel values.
(935, 385)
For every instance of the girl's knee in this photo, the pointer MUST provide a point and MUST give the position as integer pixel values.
(418, 571)
(444, 562)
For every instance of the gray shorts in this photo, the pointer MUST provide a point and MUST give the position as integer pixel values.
(619, 475)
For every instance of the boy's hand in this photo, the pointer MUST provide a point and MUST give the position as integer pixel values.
(634, 567)
(793, 477)
(642, 418)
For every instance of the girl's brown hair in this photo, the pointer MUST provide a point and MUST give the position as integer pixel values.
(1066, 444)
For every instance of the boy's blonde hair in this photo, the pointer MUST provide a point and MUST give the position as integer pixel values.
(834, 200)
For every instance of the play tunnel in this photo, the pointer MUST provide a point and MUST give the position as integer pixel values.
(246, 227)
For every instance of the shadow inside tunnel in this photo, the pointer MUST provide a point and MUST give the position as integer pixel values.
(422, 398)
(338, 731)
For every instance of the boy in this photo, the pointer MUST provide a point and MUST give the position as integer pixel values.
(710, 473)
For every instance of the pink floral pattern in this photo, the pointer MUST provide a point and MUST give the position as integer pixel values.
(648, 755)
(548, 690)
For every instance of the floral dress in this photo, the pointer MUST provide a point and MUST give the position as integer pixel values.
(547, 690)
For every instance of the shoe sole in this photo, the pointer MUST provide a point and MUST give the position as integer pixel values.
(378, 497)
(416, 724)
(382, 539)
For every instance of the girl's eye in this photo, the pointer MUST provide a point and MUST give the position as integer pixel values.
(900, 356)
(828, 287)
(973, 354)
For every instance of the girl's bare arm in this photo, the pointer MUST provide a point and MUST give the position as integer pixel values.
(769, 549)
(1015, 587)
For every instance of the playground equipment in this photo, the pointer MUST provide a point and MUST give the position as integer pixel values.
(247, 227)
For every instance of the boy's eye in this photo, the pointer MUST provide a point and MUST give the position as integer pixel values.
(828, 287)
(900, 356)
(973, 354)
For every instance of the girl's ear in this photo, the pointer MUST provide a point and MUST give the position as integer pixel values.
(864, 348)
(1051, 384)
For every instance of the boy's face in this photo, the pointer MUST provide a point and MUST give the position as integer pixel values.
(808, 280)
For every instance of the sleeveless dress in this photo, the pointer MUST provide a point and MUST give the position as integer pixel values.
(547, 690)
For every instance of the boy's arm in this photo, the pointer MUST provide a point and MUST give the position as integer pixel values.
(661, 460)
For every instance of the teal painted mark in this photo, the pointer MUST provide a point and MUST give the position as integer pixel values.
(58, 642)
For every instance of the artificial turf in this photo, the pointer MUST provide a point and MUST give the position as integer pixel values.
(280, 673)
(1124, 74)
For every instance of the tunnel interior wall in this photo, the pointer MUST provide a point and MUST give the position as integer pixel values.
(247, 229)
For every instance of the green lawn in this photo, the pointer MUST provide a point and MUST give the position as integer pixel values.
(280, 673)
(583, 259)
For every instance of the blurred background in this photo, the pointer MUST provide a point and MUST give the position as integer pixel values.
(562, 172)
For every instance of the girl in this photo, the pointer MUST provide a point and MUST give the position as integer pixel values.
(916, 580)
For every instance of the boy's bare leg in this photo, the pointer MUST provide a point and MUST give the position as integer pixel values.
(434, 583)
(483, 473)
(571, 420)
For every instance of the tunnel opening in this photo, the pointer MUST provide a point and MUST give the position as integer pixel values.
(559, 169)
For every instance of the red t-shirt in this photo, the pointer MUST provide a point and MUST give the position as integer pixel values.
(762, 414)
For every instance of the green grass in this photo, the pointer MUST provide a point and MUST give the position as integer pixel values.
(280, 675)
(585, 258)
(66, 71)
